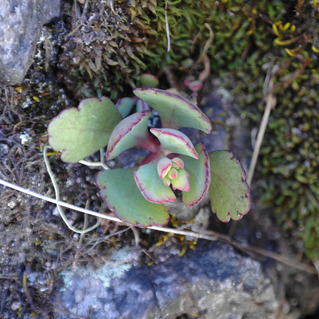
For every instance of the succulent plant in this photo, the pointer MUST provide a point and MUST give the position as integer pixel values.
(173, 163)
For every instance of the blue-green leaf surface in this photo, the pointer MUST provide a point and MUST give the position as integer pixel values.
(173, 141)
(122, 196)
(151, 186)
(79, 132)
(229, 193)
(199, 176)
(130, 132)
(174, 110)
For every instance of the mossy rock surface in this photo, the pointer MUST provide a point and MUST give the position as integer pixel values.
(74, 62)
(106, 55)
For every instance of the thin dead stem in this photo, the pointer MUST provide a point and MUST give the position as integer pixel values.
(57, 196)
(167, 29)
(136, 235)
(200, 234)
(270, 104)
(262, 252)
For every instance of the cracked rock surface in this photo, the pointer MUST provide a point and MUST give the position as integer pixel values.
(213, 281)
(20, 28)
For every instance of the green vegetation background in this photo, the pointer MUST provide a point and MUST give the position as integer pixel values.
(251, 39)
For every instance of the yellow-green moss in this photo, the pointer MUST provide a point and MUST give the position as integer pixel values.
(109, 47)
(105, 55)
(288, 165)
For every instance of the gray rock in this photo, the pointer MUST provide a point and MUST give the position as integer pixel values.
(212, 281)
(233, 136)
(20, 27)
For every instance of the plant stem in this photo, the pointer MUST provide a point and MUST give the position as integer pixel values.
(57, 196)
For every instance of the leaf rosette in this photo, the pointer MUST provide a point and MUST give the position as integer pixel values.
(138, 196)
(163, 171)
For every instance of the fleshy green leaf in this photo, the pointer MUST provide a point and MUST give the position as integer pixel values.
(141, 106)
(166, 180)
(130, 132)
(182, 181)
(173, 141)
(163, 167)
(148, 80)
(122, 196)
(199, 176)
(172, 173)
(80, 132)
(151, 186)
(174, 110)
(194, 86)
(125, 105)
(177, 162)
(229, 193)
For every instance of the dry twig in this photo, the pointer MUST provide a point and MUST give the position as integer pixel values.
(201, 234)
(270, 103)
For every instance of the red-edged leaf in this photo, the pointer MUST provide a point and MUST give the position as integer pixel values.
(141, 106)
(120, 193)
(229, 192)
(175, 111)
(79, 132)
(194, 86)
(177, 162)
(163, 167)
(199, 176)
(151, 186)
(130, 132)
(172, 173)
(181, 182)
(173, 141)
(166, 180)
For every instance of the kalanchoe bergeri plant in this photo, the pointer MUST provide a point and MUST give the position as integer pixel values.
(138, 195)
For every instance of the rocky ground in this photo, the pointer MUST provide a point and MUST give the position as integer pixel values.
(250, 270)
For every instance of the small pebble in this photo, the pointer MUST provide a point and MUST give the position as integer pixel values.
(16, 305)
